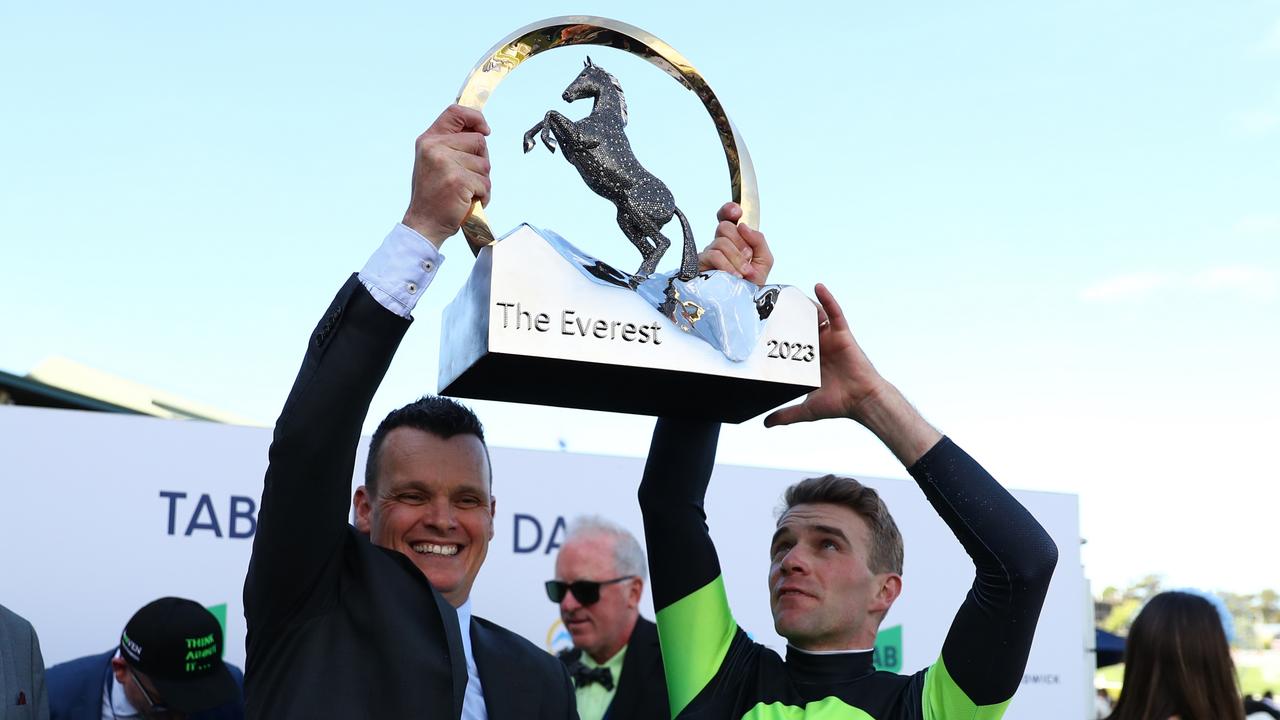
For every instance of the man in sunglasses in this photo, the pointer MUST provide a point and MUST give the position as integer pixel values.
(615, 662)
(168, 665)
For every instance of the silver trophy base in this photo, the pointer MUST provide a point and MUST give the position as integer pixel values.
(529, 327)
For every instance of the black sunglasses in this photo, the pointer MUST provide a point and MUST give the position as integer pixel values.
(587, 592)
(156, 707)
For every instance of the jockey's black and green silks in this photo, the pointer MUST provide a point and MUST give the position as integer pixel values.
(714, 670)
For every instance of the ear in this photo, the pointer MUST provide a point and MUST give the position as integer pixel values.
(363, 504)
(890, 589)
(588, 62)
(493, 512)
(120, 669)
(635, 589)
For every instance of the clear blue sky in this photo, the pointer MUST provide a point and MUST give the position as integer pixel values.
(1055, 226)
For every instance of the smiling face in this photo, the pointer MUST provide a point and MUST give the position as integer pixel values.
(432, 503)
(822, 591)
(604, 627)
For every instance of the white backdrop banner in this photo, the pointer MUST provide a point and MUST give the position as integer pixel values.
(104, 513)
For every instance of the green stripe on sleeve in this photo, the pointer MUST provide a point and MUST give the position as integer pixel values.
(944, 700)
(694, 632)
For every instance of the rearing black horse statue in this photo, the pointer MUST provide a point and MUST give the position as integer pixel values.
(597, 146)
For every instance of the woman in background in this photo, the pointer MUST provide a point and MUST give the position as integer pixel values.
(1177, 663)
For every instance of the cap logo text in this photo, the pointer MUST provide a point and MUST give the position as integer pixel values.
(131, 647)
(199, 650)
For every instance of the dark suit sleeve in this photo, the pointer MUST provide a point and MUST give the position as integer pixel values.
(302, 520)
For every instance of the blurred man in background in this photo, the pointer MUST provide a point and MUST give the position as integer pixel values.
(168, 665)
(615, 662)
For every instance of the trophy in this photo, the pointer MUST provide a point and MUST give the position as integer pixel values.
(539, 321)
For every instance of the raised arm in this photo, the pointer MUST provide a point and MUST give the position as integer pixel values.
(695, 625)
(987, 647)
(306, 497)
(302, 519)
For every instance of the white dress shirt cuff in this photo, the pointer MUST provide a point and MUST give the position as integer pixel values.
(401, 269)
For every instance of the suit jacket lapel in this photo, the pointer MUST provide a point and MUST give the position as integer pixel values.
(500, 700)
(457, 656)
(642, 651)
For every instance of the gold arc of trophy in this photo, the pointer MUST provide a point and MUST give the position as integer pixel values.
(568, 30)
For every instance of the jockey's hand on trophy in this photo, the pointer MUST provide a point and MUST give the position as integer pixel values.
(737, 248)
(853, 388)
(743, 251)
(450, 172)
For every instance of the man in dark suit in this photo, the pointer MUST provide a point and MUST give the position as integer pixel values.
(375, 621)
(615, 662)
(168, 665)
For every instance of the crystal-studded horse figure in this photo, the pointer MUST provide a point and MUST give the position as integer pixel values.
(597, 146)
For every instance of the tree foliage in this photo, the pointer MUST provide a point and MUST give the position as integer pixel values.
(1256, 616)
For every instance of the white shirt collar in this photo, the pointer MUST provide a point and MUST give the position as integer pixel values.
(464, 617)
(830, 652)
(473, 707)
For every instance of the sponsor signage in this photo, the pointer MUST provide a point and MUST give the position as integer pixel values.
(113, 511)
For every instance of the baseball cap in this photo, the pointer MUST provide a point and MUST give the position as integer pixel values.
(178, 645)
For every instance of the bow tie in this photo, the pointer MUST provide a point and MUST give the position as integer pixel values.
(583, 676)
